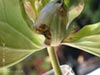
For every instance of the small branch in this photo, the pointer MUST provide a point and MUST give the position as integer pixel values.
(54, 61)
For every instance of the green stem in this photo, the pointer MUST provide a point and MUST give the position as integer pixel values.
(54, 61)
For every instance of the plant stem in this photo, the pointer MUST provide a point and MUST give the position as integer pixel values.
(54, 60)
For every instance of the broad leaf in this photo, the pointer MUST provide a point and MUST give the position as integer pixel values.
(17, 40)
(76, 11)
(87, 39)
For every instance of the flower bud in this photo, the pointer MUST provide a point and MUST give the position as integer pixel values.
(52, 22)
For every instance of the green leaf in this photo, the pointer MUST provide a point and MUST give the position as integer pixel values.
(17, 40)
(30, 11)
(76, 11)
(87, 39)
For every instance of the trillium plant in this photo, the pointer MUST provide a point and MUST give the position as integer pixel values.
(27, 26)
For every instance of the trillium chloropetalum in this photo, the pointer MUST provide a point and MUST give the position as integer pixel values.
(19, 37)
(52, 22)
(54, 25)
